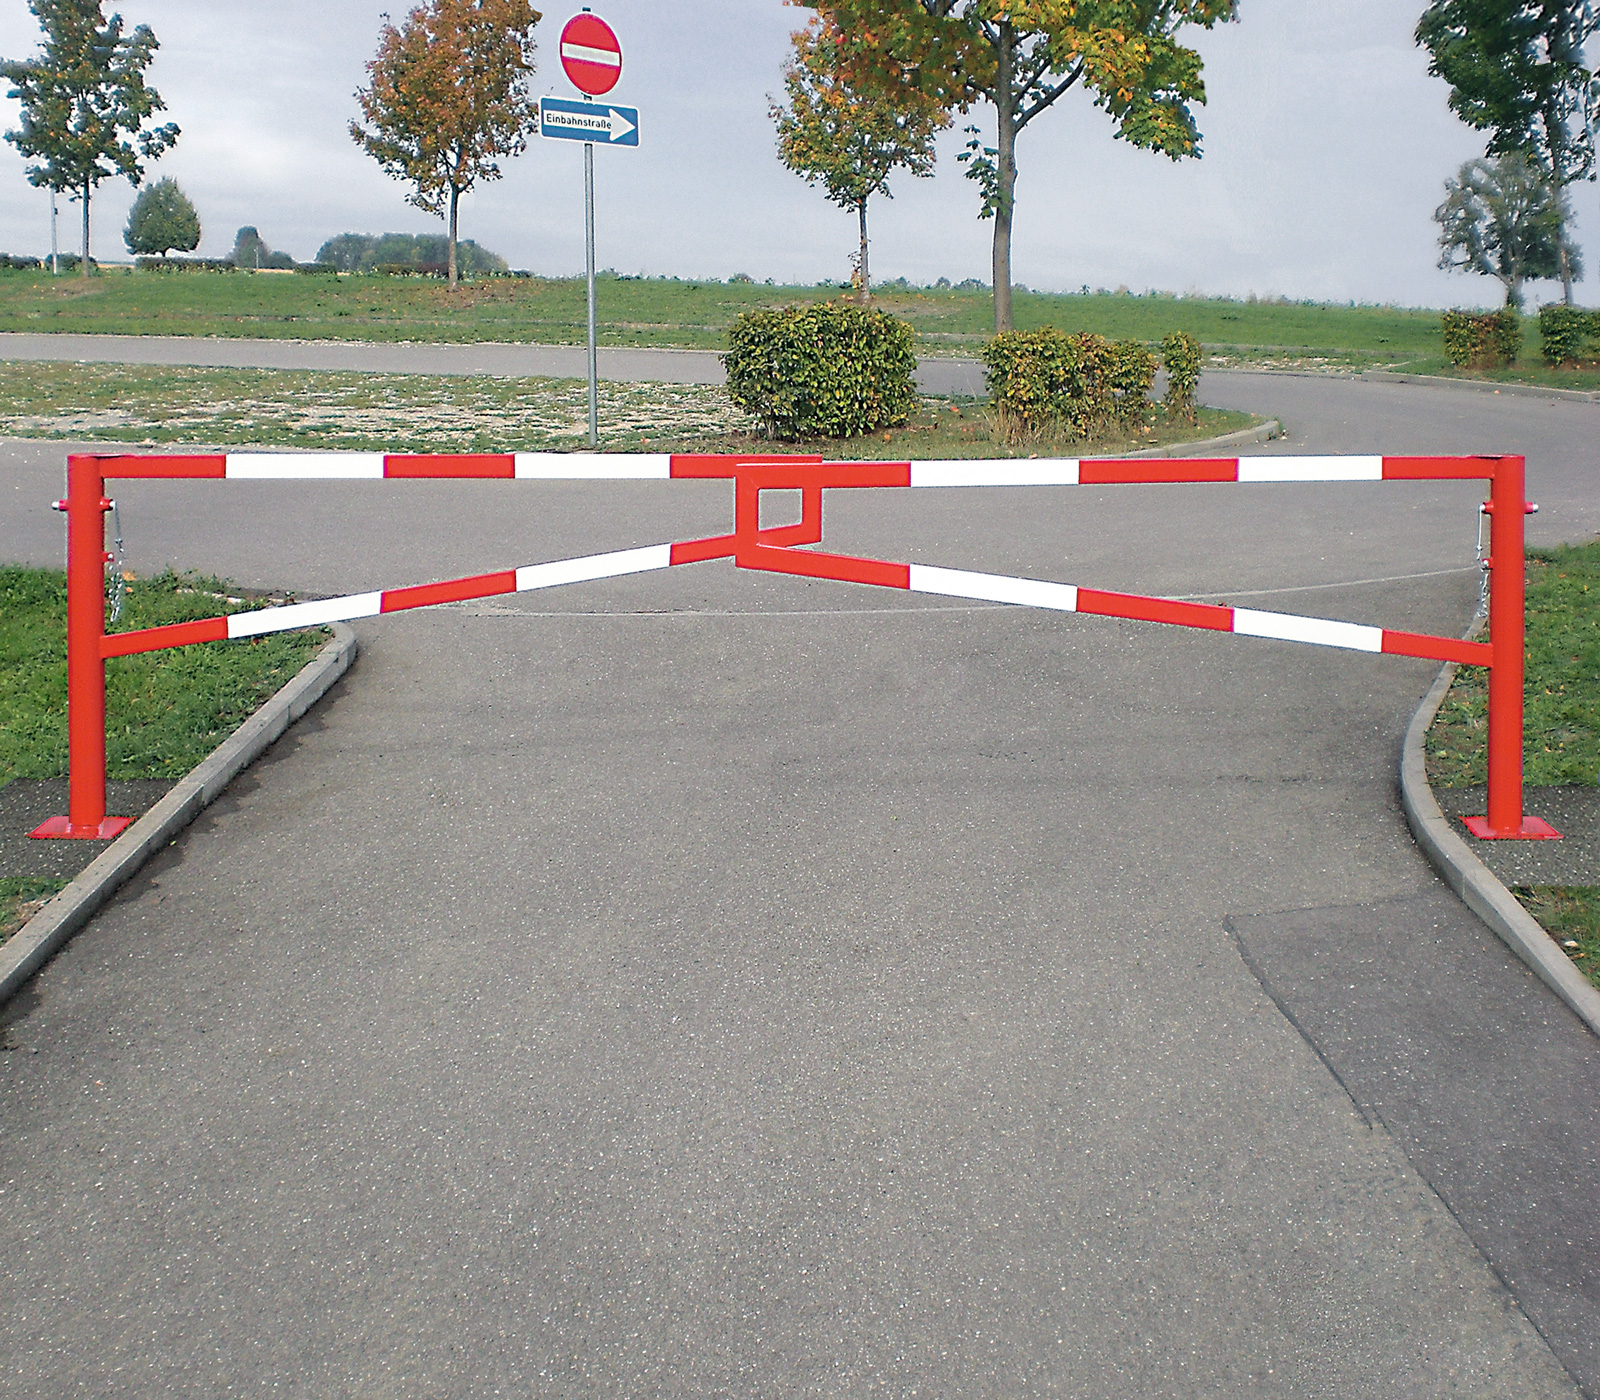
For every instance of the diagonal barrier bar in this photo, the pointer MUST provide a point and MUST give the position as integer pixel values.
(782, 549)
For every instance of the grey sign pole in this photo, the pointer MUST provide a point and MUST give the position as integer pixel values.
(594, 362)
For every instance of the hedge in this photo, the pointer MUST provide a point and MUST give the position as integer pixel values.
(824, 370)
(1566, 333)
(1482, 342)
(1182, 355)
(1080, 383)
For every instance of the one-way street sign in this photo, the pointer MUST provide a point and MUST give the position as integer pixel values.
(602, 123)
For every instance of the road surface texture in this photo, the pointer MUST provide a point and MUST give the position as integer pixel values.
(724, 984)
(936, 376)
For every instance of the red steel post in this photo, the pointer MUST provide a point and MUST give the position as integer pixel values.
(86, 668)
(1507, 620)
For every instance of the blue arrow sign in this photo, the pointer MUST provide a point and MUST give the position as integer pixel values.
(598, 122)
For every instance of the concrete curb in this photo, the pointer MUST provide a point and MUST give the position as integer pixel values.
(1470, 878)
(47, 931)
(1262, 432)
(1480, 386)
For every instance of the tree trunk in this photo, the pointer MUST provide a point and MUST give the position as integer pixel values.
(455, 200)
(83, 267)
(1566, 275)
(864, 293)
(1006, 161)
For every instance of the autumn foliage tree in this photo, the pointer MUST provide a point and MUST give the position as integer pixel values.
(1022, 56)
(85, 103)
(449, 98)
(848, 139)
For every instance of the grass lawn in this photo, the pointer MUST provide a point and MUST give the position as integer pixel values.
(165, 711)
(1561, 721)
(443, 413)
(661, 312)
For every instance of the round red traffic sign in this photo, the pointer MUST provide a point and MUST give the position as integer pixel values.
(591, 54)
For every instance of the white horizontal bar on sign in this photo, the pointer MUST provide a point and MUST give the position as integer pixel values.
(304, 466)
(1287, 627)
(994, 588)
(286, 619)
(593, 466)
(627, 561)
(1310, 469)
(585, 54)
(1011, 471)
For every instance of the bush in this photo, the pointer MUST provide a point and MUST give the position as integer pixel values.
(1082, 384)
(824, 370)
(1482, 342)
(1182, 354)
(1565, 333)
(371, 252)
(20, 263)
(184, 264)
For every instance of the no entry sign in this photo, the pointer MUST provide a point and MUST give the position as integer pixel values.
(591, 54)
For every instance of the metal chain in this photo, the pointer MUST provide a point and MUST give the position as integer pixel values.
(119, 584)
(1483, 566)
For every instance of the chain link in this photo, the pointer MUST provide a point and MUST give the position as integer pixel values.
(119, 583)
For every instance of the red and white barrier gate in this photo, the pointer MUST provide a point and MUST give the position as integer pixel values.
(776, 549)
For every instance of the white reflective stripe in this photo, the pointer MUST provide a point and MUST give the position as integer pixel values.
(286, 619)
(627, 561)
(1310, 469)
(1318, 631)
(1012, 471)
(593, 466)
(609, 57)
(304, 466)
(994, 588)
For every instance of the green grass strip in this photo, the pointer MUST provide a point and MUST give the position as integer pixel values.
(1561, 697)
(165, 710)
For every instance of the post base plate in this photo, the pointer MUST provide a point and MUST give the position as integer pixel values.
(62, 829)
(1532, 830)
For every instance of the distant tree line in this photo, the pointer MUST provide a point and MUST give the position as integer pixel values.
(366, 252)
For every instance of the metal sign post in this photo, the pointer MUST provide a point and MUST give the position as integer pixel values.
(594, 354)
(592, 57)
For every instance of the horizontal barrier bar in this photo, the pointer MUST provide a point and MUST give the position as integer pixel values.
(626, 466)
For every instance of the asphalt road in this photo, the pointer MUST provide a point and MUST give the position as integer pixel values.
(518, 361)
(733, 985)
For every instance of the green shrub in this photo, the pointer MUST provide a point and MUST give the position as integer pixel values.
(823, 370)
(1476, 341)
(1081, 384)
(1182, 355)
(1566, 333)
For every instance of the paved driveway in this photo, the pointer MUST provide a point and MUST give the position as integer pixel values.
(737, 985)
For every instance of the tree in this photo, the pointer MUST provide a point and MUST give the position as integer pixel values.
(851, 141)
(1022, 56)
(449, 95)
(85, 102)
(1516, 70)
(162, 218)
(1505, 219)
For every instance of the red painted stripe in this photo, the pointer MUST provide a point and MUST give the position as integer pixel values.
(816, 475)
(1439, 468)
(698, 551)
(719, 466)
(1136, 471)
(178, 634)
(839, 567)
(203, 468)
(1141, 609)
(1437, 648)
(456, 590)
(488, 466)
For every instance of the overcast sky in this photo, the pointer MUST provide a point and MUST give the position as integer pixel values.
(1326, 147)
